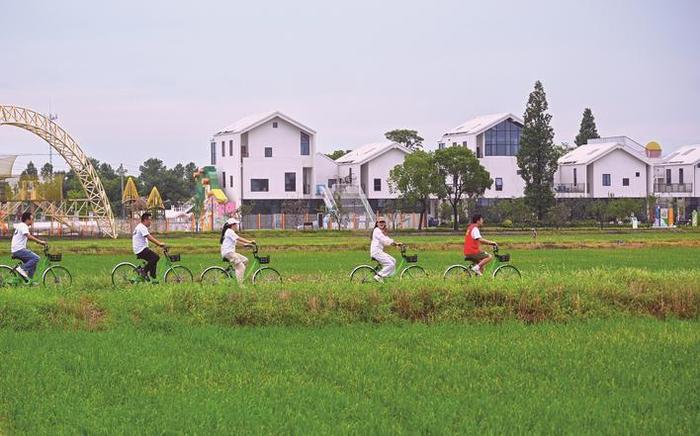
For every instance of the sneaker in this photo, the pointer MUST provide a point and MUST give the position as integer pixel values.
(378, 279)
(22, 272)
(476, 270)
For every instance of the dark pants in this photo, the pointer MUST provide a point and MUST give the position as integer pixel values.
(151, 258)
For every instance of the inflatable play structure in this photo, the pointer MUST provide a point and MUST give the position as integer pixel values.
(210, 207)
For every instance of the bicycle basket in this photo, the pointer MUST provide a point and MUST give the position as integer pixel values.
(264, 259)
(411, 259)
(55, 257)
(174, 257)
(503, 257)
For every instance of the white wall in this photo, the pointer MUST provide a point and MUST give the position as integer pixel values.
(619, 165)
(230, 165)
(324, 168)
(505, 167)
(379, 168)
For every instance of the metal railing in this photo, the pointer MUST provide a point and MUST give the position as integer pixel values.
(570, 188)
(673, 187)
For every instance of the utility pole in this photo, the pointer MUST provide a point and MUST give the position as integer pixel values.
(121, 171)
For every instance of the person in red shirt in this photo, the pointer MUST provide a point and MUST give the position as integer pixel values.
(472, 245)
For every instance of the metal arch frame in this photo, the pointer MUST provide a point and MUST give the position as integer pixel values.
(71, 152)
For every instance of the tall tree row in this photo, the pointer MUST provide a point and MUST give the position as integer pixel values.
(588, 129)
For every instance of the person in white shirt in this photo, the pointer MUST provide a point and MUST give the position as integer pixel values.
(19, 248)
(376, 250)
(228, 241)
(139, 243)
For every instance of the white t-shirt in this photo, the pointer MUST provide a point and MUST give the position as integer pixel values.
(229, 243)
(379, 241)
(138, 239)
(476, 234)
(19, 238)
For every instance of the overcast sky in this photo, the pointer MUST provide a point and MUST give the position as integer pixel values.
(137, 79)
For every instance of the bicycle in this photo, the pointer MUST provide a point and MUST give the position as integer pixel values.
(53, 276)
(127, 274)
(255, 272)
(365, 273)
(499, 268)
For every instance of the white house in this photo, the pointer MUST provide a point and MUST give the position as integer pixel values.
(678, 174)
(495, 140)
(606, 167)
(267, 158)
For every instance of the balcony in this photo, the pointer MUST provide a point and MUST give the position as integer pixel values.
(570, 188)
(673, 187)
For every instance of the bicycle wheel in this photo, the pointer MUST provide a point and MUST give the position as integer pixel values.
(265, 275)
(125, 274)
(8, 277)
(413, 272)
(363, 274)
(457, 273)
(178, 274)
(506, 272)
(214, 275)
(56, 277)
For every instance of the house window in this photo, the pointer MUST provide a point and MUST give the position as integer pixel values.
(230, 185)
(606, 179)
(575, 178)
(332, 182)
(636, 174)
(668, 176)
(244, 151)
(274, 124)
(223, 148)
(625, 181)
(377, 184)
(680, 176)
(464, 143)
(259, 185)
(499, 184)
(503, 139)
(478, 152)
(454, 144)
(518, 172)
(223, 179)
(230, 148)
(290, 182)
(213, 153)
(441, 145)
(305, 144)
(268, 151)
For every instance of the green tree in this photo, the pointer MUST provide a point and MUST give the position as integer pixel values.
(600, 212)
(558, 215)
(460, 174)
(47, 172)
(406, 137)
(337, 154)
(416, 179)
(588, 128)
(30, 172)
(538, 156)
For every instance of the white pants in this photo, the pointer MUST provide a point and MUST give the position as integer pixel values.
(388, 263)
(239, 263)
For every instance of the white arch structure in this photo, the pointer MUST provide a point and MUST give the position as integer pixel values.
(71, 152)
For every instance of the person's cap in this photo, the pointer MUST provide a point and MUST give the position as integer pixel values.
(232, 221)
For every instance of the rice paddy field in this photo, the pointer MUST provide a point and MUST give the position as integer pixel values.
(600, 335)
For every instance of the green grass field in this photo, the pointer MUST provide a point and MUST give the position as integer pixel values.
(600, 336)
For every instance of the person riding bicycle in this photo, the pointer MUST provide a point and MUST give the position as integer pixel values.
(139, 242)
(228, 241)
(472, 245)
(19, 248)
(379, 241)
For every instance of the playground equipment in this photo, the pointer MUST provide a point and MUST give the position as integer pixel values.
(210, 206)
(95, 207)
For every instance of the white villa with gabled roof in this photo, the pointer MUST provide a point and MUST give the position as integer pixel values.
(678, 174)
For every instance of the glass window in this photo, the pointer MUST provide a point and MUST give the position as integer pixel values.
(230, 185)
(223, 148)
(606, 179)
(213, 153)
(464, 143)
(503, 139)
(680, 176)
(230, 148)
(441, 145)
(244, 151)
(268, 151)
(377, 184)
(575, 178)
(499, 184)
(478, 152)
(668, 176)
(305, 144)
(223, 179)
(290, 182)
(625, 182)
(274, 124)
(259, 185)
(636, 174)
(332, 182)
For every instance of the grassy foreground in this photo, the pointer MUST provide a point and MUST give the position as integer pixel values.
(618, 376)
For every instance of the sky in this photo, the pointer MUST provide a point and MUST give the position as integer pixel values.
(131, 80)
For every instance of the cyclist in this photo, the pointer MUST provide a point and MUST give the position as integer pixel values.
(376, 250)
(228, 241)
(139, 242)
(19, 247)
(472, 245)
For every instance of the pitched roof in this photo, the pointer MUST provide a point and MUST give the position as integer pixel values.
(688, 155)
(367, 152)
(482, 123)
(588, 153)
(250, 122)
